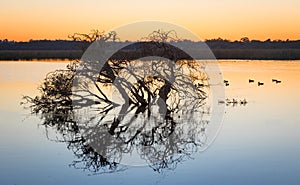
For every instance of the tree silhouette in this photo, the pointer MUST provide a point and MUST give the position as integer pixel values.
(158, 109)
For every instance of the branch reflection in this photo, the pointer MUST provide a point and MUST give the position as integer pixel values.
(135, 111)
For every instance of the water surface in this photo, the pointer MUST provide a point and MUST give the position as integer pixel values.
(258, 142)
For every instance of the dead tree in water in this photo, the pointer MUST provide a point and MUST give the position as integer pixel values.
(167, 83)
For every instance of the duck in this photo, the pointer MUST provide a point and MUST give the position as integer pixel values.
(234, 101)
(221, 101)
(276, 81)
(243, 102)
(260, 83)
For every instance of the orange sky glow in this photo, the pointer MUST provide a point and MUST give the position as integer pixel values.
(22, 20)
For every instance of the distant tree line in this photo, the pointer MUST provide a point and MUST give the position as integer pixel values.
(222, 48)
(246, 43)
(219, 43)
(42, 45)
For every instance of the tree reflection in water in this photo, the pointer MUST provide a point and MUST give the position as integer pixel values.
(154, 110)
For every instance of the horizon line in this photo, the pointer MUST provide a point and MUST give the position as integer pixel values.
(212, 39)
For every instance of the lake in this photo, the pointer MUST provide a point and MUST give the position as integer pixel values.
(258, 142)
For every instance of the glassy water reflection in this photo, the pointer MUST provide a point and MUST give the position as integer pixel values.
(156, 118)
(258, 143)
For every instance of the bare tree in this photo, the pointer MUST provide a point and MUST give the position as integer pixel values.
(163, 118)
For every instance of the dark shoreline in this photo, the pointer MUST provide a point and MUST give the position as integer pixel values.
(222, 49)
(243, 54)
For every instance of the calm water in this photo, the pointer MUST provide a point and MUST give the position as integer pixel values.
(258, 142)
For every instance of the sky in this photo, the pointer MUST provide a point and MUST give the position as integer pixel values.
(22, 20)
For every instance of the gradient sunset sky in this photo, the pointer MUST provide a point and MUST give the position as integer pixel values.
(22, 20)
